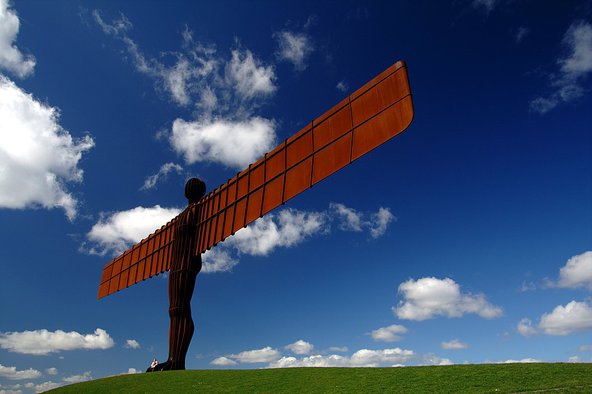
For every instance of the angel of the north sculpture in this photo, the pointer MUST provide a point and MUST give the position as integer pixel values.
(370, 116)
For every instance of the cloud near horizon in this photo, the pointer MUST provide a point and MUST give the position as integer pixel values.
(43, 342)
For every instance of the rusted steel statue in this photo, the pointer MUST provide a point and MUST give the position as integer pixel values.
(367, 118)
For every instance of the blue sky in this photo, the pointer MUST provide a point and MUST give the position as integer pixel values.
(466, 239)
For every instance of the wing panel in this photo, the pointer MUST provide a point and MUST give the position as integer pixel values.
(333, 127)
(273, 194)
(382, 127)
(298, 179)
(299, 148)
(332, 158)
(254, 205)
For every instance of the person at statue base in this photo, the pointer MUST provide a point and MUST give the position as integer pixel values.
(154, 364)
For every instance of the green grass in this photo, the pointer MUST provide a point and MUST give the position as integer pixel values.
(485, 378)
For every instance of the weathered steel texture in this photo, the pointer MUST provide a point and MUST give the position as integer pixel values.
(370, 116)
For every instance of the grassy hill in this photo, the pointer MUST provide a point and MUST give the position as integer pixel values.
(484, 378)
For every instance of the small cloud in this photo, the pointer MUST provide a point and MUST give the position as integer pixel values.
(300, 347)
(264, 355)
(131, 344)
(390, 333)
(223, 362)
(521, 361)
(231, 143)
(294, 48)
(574, 359)
(454, 344)
(525, 328)
(429, 297)
(485, 5)
(13, 374)
(338, 349)
(564, 320)
(576, 273)
(51, 371)
(521, 33)
(85, 377)
(574, 69)
(342, 86)
(151, 181)
(585, 348)
(527, 286)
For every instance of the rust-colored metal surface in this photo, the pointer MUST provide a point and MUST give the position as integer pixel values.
(370, 116)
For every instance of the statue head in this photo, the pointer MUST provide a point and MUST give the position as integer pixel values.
(195, 188)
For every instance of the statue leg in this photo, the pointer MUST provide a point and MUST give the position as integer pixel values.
(181, 286)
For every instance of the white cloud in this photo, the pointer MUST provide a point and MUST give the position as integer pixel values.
(390, 333)
(350, 219)
(11, 58)
(454, 344)
(574, 69)
(525, 328)
(264, 355)
(585, 348)
(223, 362)
(132, 344)
(379, 222)
(287, 228)
(339, 349)
(195, 75)
(574, 359)
(13, 374)
(361, 358)
(218, 260)
(119, 26)
(186, 75)
(300, 347)
(522, 361)
(131, 371)
(563, 320)
(426, 298)
(46, 386)
(85, 377)
(231, 143)
(118, 231)
(51, 371)
(521, 33)
(151, 181)
(486, 5)
(43, 342)
(342, 86)
(577, 272)
(294, 48)
(248, 76)
(432, 359)
(37, 155)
